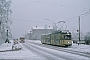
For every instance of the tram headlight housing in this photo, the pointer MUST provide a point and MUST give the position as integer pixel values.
(68, 42)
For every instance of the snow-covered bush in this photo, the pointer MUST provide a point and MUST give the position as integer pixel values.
(87, 38)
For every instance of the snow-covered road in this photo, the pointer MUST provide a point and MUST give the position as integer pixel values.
(23, 54)
(75, 47)
(32, 51)
(51, 54)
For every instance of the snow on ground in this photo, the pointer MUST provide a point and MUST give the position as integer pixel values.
(75, 47)
(4, 45)
(8, 46)
(24, 53)
(21, 54)
(81, 48)
(63, 54)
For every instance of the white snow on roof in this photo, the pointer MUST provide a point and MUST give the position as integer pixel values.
(29, 31)
(39, 27)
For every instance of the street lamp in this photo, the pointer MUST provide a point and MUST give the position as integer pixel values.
(55, 28)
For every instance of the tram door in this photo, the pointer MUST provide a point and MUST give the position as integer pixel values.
(61, 40)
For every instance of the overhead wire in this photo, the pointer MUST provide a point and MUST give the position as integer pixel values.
(62, 5)
(25, 4)
(80, 8)
(81, 15)
(84, 14)
(28, 20)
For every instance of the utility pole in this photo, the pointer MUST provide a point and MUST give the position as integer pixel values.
(79, 28)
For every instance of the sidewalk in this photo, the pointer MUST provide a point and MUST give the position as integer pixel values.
(7, 47)
(22, 54)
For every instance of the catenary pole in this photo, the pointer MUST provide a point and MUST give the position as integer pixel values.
(79, 28)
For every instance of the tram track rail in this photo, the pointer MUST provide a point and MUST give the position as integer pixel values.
(42, 52)
(47, 54)
(63, 49)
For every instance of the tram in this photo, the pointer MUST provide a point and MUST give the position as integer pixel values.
(59, 38)
(22, 40)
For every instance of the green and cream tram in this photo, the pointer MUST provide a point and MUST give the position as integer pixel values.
(58, 38)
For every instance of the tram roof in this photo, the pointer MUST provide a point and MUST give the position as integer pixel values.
(62, 31)
(59, 31)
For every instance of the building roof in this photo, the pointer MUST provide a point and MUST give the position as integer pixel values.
(38, 27)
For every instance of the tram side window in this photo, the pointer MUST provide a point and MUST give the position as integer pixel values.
(68, 37)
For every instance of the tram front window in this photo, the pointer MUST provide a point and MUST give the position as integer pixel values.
(67, 37)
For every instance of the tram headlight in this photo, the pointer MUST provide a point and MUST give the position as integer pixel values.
(68, 42)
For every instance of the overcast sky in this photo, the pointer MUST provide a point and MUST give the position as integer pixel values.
(28, 13)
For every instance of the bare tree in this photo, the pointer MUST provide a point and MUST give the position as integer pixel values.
(5, 13)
